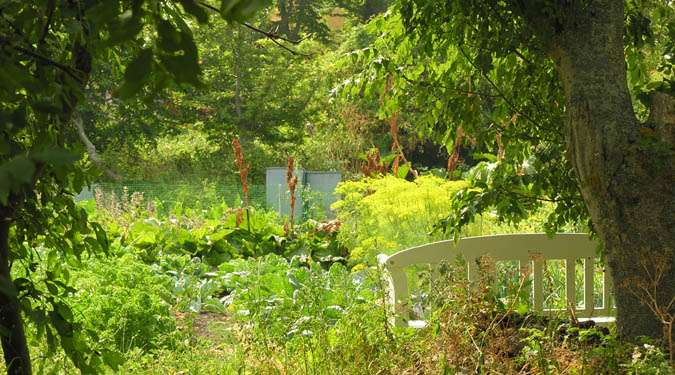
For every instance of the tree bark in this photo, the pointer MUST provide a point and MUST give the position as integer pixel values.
(284, 9)
(624, 168)
(13, 337)
(91, 151)
(299, 9)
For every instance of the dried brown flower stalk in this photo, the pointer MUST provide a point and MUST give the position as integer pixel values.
(453, 160)
(374, 166)
(239, 218)
(243, 173)
(292, 182)
(393, 130)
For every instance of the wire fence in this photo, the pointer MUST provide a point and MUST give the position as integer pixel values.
(312, 201)
(192, 196)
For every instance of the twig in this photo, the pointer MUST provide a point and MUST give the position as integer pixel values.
(542, 199)
(515, 299)
(68, 70)
(273, 36)
(501, 94)
(43, 38)
(520, 135)
(288, 49)
(468, 92)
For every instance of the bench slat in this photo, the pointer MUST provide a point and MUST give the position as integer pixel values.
(589, 279)
(538, 283)
(570, 285)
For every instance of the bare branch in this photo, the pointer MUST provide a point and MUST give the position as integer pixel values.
(501, 94)
(541, 199)
(66, 69)
(45, 32)
(91, 151)
(271, 35)
(458, 90)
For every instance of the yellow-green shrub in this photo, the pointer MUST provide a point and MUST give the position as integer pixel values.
(388, 214)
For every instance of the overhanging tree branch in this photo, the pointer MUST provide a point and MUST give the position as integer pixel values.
(273, 36)
(541, 199)
(66, 69)
(458, 90)
(501, 94)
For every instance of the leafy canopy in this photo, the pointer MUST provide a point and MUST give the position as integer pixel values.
(48, 49)
(474, 73)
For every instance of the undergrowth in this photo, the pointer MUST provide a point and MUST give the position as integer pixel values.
(186, 292)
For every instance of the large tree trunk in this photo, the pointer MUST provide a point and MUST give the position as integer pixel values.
(625, 167)
(12, 335)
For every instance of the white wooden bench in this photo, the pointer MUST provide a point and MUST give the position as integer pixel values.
(527, 249)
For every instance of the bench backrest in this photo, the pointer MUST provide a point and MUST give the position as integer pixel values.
(529, 249)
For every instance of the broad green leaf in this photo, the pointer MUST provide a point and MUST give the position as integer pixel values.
(214, 305)
(63, 327)
(20, 170)
(136, 75)
(104, 11)
(179, 20)
(112, 358)
(402, 171)
(65, 312)
(196, 10)
(169, 38)
(240, 10)
(56, 156)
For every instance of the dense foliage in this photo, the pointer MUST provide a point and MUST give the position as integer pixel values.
(537, 84)
(166, 300)
(385, 215)
(155, 91)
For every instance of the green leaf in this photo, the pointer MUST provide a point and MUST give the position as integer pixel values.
(136, 75)
(56, 156)
(101, 236)
(214, 305)
(184, 68)
(112, 359)
(52, 288)
(65, 312)
(179, 20)
(485, 156)
(402, 171)
(19, 170)
(198, 11)
(240, 10)
(124, 28)
(103, 12)
(169, 38)
(64, 328)
(195, 306)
